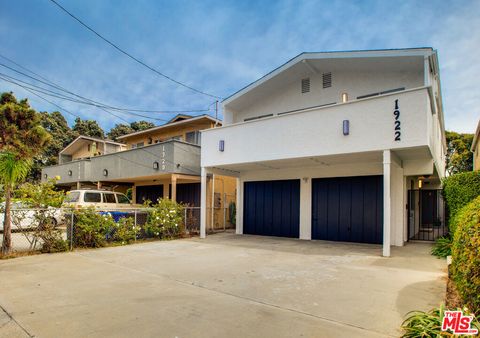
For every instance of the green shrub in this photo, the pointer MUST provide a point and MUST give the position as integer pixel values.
(428, 324)
(125, 230)
(91, 228)
(466, 254)
(458, 191)
(165, 220)
(442, 247)
(41, 195)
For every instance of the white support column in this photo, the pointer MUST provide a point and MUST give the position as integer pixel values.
(386, 202)
(212, 215)
(239, 214)
(306, 208)
(203, 203)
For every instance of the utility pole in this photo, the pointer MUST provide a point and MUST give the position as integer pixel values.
(216, 113)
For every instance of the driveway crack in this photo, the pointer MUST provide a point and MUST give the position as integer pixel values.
(12, 319)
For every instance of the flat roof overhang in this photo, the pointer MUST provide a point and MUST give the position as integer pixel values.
(318, 162)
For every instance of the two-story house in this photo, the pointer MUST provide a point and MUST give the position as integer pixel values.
(163, 161)
(330, 146)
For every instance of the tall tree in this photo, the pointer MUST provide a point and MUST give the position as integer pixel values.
(119, 130)
(20, 128)
(62, 135)
(88, 128)
(124, 129)
(141, 125)
(459, 157)
(21, 138)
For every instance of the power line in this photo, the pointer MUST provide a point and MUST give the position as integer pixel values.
(131, 56)
(54, 85)
(32, 90)
(48, 92)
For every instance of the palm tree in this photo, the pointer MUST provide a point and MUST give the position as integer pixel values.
(13, 170)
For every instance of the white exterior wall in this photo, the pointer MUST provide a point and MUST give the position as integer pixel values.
(354, 83)
(398, 203)
(318, 132)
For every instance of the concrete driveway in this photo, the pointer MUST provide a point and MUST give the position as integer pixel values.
(224, 286)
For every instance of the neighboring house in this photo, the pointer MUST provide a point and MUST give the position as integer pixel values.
(342, 146)
(476, 148)
(162, 161)
(84, 147)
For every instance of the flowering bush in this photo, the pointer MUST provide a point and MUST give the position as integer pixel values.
(125, 230)
(165, 220)
(91, 228)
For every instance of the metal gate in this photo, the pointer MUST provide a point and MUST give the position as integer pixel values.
(426, 215)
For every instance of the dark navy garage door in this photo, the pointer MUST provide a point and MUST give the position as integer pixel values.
(348, 209)
(272, 208)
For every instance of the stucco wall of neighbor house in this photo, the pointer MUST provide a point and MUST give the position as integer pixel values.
(354, 83)
(305, 175)
(172, 156)
(84, 152)
(139, 162)
(80, 170)
(167, 133)
(318, 132)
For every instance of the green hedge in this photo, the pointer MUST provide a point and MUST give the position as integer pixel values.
(458, 191)
(466, 255)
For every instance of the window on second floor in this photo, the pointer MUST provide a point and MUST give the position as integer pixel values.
(193, 137)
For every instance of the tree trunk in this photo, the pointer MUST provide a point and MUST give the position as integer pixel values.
(7, 224)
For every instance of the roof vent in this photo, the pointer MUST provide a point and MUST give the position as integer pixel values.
(305, 85)
(327, 80)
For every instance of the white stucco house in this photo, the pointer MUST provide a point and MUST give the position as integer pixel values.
(331, 145)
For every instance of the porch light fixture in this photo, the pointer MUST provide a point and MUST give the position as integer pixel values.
(105, 172)
(45, 176)
(70, 173)
(344, 97)
(156, 166)
(420, 184)
(346, 127)
(221, 145)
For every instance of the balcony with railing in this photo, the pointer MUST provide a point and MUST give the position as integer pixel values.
(400, 120)
(171, 156)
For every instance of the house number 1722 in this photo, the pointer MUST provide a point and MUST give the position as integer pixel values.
(398, 129)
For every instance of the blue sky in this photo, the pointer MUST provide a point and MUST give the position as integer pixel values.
(220, 46)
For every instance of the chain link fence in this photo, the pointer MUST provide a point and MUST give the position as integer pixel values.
(57, 229)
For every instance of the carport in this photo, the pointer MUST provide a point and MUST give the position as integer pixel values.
(357, 197)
